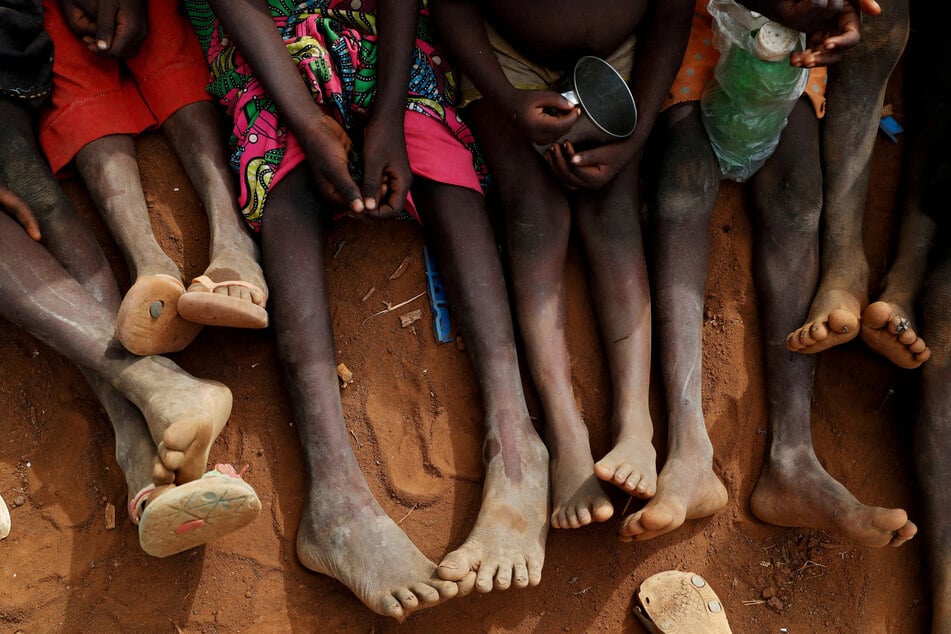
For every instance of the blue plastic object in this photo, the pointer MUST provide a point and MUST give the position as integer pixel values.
(437, 300)
(890, 127)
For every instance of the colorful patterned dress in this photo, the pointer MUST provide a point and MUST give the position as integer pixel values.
(334, 45)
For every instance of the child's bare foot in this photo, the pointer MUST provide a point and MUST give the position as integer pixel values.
(354, 541)
(230, 293)
(507, 544)
(686, 489)
(833, 320)
(796, 491)
(577, 496)
(886, 329)
(630, 465)
(184, 414)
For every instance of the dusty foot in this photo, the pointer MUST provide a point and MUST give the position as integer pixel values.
(148, 321)
(886, 329)
(798, 492)
(630, 465)
(833, 320)
(360, 546)
(231, 293)
(686, 490)
(577, 496)
(507, 544)
(184, 414)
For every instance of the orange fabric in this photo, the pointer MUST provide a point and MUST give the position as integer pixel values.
(701, 57)
(96, 96)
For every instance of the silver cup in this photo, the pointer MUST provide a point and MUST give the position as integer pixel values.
(608, 111)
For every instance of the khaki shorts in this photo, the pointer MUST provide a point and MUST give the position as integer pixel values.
(524, 74)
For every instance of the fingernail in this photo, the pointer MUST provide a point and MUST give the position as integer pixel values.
(576, 159)
(371, 203)
(102, 45)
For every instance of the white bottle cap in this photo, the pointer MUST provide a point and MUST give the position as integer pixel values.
(774, 42)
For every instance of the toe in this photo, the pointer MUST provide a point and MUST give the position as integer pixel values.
(842, 322)
(622, 474)
(520, 575)
(923, 356)
(454, 567)
(425, 593)
(818, 332)
(465, 585)
(534, 565)
(917, 346)
(876, 315)
(407, 599)
(485, 579)
(584, 516)
(907, 337)
(390, 606)
(503, 578)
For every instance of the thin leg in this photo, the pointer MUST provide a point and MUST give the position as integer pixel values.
(538, 223)
(793, 488)
(855, 93)
(689, 177)
(340, 516)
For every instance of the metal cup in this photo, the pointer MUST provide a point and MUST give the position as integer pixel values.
(608, 111)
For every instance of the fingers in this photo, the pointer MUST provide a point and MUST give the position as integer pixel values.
(12, 202)
(869, 7)
(131, 28)
(106, 24)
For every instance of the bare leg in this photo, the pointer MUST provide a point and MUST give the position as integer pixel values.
(888, 325)
(507, 545)
(933, 441)
(610, 228)
(194, 132)
(148, 318)
(855, 93)
(687, 487)
(793, 488)
(71, 242)
(340, 516)
(538, 224)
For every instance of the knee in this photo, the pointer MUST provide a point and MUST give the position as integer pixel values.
(686, 194)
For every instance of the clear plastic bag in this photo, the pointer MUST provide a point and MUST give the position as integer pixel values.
(746, 105)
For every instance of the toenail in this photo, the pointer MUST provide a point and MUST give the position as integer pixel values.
(156, 308)
(698, 581)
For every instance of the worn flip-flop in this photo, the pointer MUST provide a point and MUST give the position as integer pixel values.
(202, 305)
(194, 513)
(676, 602)
(148, 321)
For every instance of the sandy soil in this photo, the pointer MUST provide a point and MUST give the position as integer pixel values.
(413, 413)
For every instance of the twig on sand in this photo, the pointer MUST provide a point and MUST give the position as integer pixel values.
(355, 438)
(415, 506)
(754, 602)
(391, 307)
(629, 500)
(402, 267)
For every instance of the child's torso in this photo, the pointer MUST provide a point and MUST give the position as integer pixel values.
(554, 33)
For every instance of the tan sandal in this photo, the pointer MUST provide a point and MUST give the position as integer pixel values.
(676, 602)
(200, 304)
(194, 513)
(148, 321)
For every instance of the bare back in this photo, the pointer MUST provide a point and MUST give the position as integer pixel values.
(555, 33)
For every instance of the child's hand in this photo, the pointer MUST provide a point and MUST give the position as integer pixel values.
(327, 148)
(827, 45)
(590, 169)
(543, 116)
(111, 28)
(386, 173)
(11, 203)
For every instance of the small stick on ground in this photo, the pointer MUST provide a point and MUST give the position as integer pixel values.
(402, 267)
(391, 307)
(407, 514)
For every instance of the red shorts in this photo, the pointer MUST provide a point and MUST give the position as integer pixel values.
(97, 96)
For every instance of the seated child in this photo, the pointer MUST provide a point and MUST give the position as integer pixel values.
(63, 292)
(98, 104)
(793, 488)
(314, 90)
(511, 54)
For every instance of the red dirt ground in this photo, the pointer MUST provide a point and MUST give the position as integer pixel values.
(413, 412)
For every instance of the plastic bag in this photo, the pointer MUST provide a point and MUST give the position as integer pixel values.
(746, 105)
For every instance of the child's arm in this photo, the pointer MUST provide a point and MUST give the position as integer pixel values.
(657, 59)
(387, 176)
(325, 143)
(542, 116)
